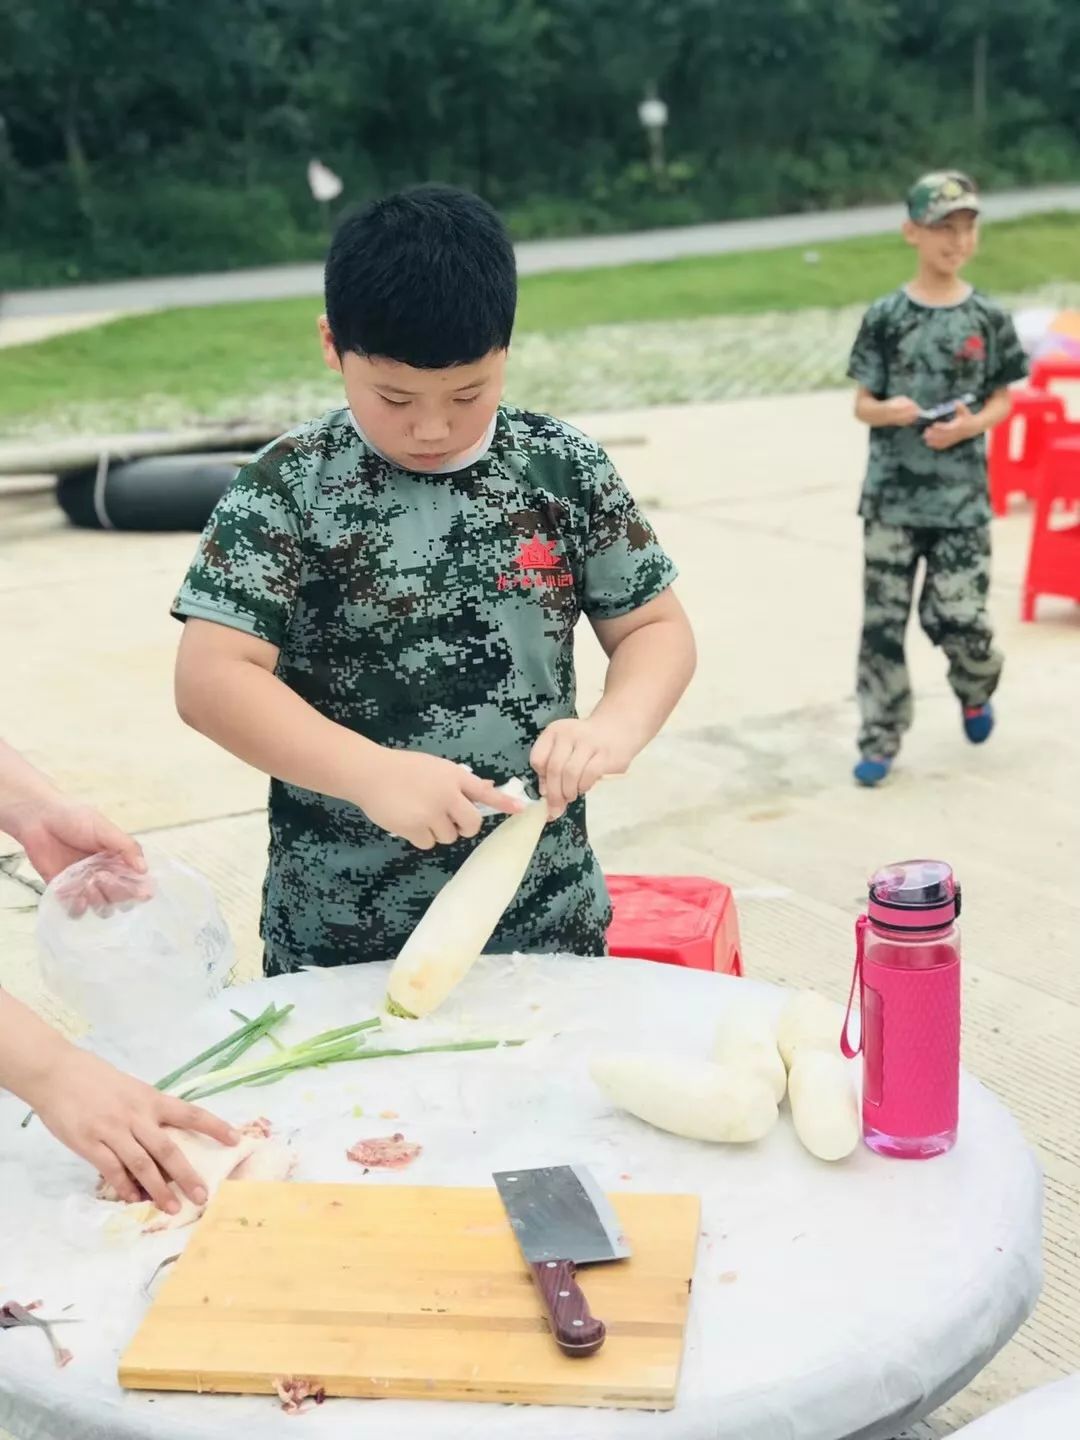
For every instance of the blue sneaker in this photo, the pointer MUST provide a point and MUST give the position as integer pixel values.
(872, 770)
(978, 722)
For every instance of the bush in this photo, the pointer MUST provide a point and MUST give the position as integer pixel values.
(185, 225)
(159, 227)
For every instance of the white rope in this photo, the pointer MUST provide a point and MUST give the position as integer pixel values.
(100, 480)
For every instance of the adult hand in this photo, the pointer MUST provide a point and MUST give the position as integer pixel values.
(58, 833)
(64, 831)
(117, 1123)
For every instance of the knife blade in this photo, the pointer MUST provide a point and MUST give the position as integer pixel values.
(561, 1219)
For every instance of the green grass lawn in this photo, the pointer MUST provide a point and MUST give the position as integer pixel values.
(197, 357)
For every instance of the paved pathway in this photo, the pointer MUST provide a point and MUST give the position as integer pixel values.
(535, 257)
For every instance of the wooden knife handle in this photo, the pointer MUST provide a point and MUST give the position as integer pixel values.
(576, 1331)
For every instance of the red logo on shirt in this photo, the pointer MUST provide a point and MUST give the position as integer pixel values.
(973, 348)
(538, 565)
(537, 554)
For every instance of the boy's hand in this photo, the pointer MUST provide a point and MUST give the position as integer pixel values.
(947, 433)
(572, 755)
(115, 1122)
(427, 800)
(900, 410)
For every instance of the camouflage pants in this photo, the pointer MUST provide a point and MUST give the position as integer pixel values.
(952, 611)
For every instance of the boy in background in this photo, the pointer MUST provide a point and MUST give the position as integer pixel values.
(935, 342)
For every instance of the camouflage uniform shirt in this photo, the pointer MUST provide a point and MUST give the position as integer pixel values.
(426, 612)
(933, 354)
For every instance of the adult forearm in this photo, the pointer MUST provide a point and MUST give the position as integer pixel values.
(23, 790)
(647, 674)
(250, 712)
(28, 1048)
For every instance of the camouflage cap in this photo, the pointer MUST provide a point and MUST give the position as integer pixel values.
(939, 194)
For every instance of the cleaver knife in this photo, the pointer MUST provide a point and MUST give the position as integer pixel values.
(561, 1219)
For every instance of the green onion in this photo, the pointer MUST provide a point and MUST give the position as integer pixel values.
(331, 1047)
(312, 1054)
(229, 1050)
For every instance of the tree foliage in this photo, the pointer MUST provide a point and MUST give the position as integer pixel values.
(148, 135)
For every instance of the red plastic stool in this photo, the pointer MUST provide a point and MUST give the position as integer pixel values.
(1054, 557)
(1054, 367)
(1017, 445)
(677, 920)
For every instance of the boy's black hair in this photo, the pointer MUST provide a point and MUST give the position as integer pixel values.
(426, 277)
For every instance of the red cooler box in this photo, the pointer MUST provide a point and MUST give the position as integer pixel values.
(677, 920)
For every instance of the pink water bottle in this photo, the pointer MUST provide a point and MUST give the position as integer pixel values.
(907, 967)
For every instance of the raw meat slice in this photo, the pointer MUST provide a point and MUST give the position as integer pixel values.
(387, 1152)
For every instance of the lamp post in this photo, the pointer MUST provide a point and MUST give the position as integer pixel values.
(653, 114)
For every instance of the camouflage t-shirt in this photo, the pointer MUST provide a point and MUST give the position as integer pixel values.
(933, 354)
(426, 612)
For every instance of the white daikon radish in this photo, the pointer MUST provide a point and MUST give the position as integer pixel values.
(824, 1108)
(693, 1098)
(809, 1021)
(460, 921)
(746, 1037)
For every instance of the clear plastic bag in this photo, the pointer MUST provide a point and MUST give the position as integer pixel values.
(129, 951)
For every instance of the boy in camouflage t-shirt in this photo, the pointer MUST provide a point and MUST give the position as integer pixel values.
(935, 342)
(388, 594)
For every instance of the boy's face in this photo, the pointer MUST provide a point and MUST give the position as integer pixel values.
(945, 248)
(420, 419)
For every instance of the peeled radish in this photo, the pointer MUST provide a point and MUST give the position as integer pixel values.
(809, 1022)
(824, 1109)
(462, 918)
(693, 1098)
(746, 1037)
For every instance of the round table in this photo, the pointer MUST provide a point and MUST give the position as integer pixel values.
(828, 1301)
(1049, 1413)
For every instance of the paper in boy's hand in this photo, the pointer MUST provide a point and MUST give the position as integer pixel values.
(943, 414)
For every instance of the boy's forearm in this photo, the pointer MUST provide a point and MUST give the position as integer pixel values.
(993, 412)
(646, 676)
(874, 413)
(254, 715)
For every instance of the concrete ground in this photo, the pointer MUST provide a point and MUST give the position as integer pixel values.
(749, 783)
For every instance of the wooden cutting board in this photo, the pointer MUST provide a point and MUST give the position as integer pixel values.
(391, 1291)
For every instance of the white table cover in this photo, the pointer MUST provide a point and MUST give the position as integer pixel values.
(829, 1300)
(1049, 1413)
